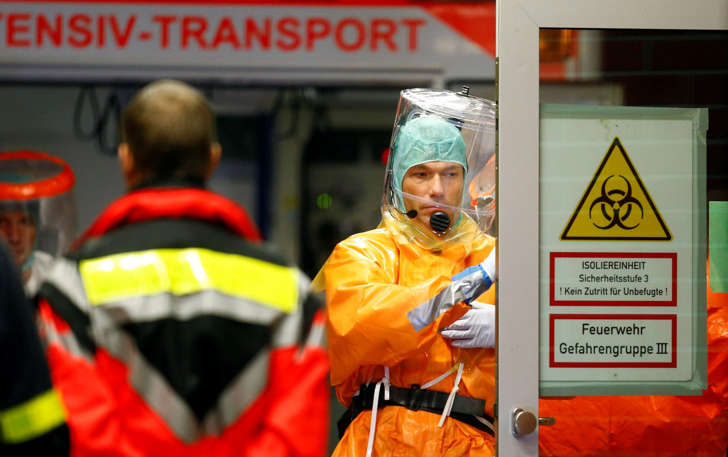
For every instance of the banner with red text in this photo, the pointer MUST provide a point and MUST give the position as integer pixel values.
(243, 41)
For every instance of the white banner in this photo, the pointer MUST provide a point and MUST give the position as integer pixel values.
(247, 41)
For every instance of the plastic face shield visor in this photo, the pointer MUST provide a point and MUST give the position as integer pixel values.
(434, 125)
(41, 186)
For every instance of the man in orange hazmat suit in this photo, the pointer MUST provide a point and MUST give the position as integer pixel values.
(408, 318)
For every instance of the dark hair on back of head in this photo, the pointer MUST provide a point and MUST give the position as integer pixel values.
(169, 127)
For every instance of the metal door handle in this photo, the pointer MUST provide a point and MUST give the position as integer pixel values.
(525, 422)
(546, 421)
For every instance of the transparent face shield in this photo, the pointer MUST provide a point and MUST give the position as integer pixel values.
(440, 173)
(37, 206)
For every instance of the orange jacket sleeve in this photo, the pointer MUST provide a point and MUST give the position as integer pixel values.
(367, 308)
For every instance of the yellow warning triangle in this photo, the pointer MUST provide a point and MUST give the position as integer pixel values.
(616, 205)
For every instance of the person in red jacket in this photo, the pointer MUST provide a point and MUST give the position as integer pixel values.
(171, 330)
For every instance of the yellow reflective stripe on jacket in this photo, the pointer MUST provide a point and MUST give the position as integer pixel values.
(186, 271)
(33, 418)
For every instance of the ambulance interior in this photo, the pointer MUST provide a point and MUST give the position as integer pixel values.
(307, 160)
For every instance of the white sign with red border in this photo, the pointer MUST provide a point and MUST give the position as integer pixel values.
(620, 251)
(247, 41)
(613, 340)
(613, 278)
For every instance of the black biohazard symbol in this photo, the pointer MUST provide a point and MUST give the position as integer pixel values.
(616, 205)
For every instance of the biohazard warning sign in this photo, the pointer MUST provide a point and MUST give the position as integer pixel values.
(616, 205)
(622, 261)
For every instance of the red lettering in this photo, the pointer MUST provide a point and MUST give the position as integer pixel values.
(122, 38)
(292, 33)
(17, 23)
(79, 25)
(44, 28)
(412, 25)
(383, 29)
(164, 21)
(100, 35)
(317, 28)
(350, 34)
(226, 34)
(252, 30)
(194, 27)
(359, 30)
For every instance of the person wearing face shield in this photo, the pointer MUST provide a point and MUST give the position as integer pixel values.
(409, 330)
(31, 181)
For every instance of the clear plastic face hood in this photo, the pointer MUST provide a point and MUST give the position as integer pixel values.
(37, 206)
(437, 135)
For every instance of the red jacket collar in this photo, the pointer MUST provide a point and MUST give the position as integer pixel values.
(153, 203)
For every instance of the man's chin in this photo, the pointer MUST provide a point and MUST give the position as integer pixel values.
(425, 222)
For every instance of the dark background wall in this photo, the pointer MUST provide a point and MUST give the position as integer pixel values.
(679, 69)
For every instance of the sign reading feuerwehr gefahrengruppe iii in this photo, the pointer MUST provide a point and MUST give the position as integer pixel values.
(622, 250)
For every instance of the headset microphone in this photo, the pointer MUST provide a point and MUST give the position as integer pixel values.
(439, 221)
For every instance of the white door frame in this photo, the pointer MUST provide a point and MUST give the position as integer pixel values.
(517, 78)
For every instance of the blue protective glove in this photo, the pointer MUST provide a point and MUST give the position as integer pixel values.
(473, 281)
(466, 286)
(475, 329)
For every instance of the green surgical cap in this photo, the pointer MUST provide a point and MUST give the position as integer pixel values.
(426, 139)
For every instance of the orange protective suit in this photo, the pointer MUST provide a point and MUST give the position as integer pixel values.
(648, 426)
(372, 280)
